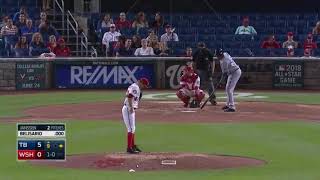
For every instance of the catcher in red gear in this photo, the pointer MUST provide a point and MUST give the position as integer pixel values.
(189, 87)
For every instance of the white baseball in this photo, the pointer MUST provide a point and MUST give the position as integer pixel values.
(132, 170)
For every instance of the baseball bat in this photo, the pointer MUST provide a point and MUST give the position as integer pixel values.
(212, 94)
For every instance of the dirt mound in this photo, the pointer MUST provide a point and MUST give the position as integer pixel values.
(174, 112)
(153, 161)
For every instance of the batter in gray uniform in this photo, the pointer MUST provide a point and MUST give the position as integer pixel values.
(233, 72)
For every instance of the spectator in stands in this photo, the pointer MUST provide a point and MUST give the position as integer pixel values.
(52, 44)
(245, 28)
(47, 30)
(22, 48)
(270, 43)
(152, 38)
(170, 35)
(122, 22)
(62, 50)
(37, 47)
(16, 16)
(188, 52)
(316, 29)
(309, 44)
(161, 49)
(43, 19)
(290, 42)
(145, 50)
(136, 42)
(28, 30)
(158, 22)
(109, 37)
(22, 21)
(4, 21)
(290, 51)
(9, 32)
(307, 52)
(125, 51)
(140, 21)
(105, 23)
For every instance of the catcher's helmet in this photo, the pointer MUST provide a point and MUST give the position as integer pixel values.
(219, 52)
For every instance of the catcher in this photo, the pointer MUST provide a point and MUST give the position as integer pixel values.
(190, 88)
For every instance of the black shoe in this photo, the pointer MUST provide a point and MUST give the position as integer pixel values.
(132, 151)
(225, 107)
(229, 110)
(213, 102)
(135, 148)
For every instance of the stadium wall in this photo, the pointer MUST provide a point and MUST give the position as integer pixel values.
(163, 72)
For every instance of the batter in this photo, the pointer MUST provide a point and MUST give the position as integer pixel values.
(231, 70)
(131, 103)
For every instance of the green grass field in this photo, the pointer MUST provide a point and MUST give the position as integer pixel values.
(291, 148)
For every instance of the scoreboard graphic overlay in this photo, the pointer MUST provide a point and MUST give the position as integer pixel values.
(41, 141)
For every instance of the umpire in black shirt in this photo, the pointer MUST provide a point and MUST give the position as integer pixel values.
(204, 65)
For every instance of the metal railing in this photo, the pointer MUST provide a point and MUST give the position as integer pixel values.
(61, 8)
(75, 27)
(84, 44)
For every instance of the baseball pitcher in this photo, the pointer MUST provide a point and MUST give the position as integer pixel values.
(131, 102)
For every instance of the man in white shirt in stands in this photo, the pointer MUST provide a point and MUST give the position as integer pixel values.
(169, 35)
(145, 50)
(245, 28)
(110, 36)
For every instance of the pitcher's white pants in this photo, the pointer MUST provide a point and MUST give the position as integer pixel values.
(129, 119)
(231, 84)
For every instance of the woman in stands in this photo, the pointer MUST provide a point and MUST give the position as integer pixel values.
(136, 42)
(9, 32)
(105, 23)
(161, 49)
(140, 21)
(145, 50)
(52, 44)
(158, 22)
(22, 48)
(37, 47)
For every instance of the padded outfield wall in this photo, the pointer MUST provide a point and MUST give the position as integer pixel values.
(114, 73)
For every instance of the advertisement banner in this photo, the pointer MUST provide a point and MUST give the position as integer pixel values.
(30, 75)
(73, 75)
(173, 73)
(288, 74)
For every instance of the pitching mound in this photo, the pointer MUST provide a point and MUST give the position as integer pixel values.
(153, 161)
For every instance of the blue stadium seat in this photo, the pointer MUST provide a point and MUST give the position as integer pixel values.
(206, 37)
(206, 31)
(187, 38)
(188, 31)
(276, 23)
(266, 31)
(232, 44)
(175, 45)
(225, 37)
(281, 30)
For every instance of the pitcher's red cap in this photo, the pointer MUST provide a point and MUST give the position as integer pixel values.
(144, 81)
